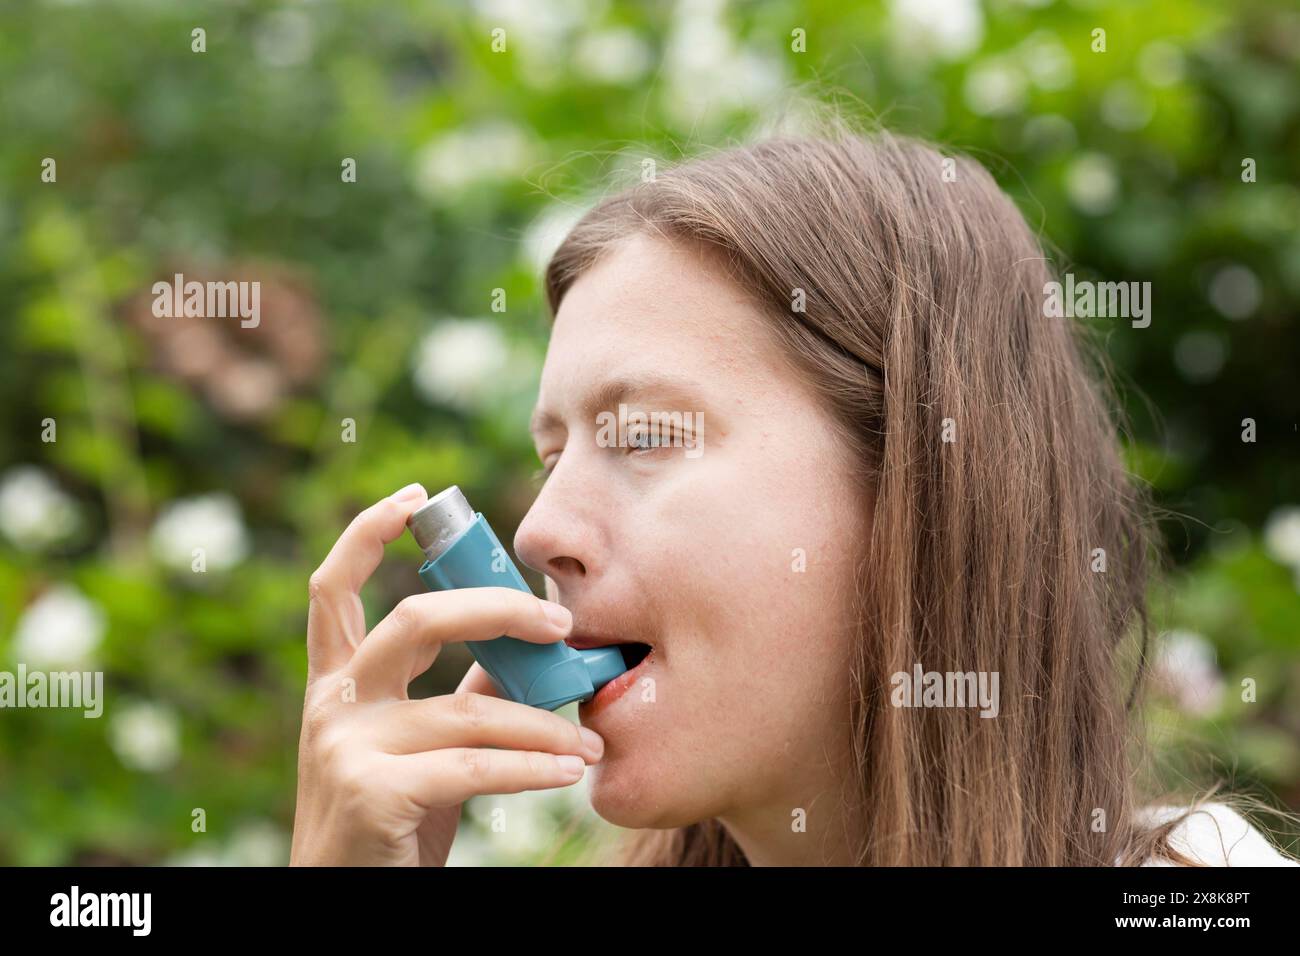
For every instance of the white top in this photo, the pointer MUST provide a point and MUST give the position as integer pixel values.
(1216, 835)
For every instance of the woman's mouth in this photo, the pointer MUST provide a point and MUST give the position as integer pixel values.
(636, 655)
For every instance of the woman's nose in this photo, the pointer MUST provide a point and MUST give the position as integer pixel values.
(552, 539)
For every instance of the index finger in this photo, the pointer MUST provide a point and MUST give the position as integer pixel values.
(360, 547)
(405, 643)
(336, 622)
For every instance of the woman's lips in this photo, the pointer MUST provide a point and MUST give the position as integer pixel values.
(614, 689)
(589, 634)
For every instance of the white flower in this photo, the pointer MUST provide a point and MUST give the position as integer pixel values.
(516, 825)
(705, 70)
(612, 56)
(463, 362)
(1234, 291)
(537, 35)
(1046, 60)
(995, 87)
(1187, 664)
(1126, 106)
(145, 736)
(61, 628)
(1092, 183)
(284, 38)
(212, 522)
(203, 855)
(945, 28)
(34, 511)
(1282, 536)
(258, 843)
(492, 150)
(470, 849)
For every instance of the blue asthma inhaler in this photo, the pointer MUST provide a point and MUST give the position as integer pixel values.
(463, 552)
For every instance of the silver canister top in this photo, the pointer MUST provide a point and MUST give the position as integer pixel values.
(440, 521)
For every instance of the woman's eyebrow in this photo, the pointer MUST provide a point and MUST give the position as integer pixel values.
(610, 393)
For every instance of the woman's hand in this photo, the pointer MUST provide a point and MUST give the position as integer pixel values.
(381, 777)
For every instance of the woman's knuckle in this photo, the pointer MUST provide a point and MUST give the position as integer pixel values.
(476, 764)
(334, 750)
(574, 733)
(538, 764)
(355, 785)
(468, 708)
(317, 584)
(319, 709)
(406, 613)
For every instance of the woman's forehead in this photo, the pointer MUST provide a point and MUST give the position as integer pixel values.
(652, 302)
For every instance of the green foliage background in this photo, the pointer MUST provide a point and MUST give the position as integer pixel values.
(1128, 161)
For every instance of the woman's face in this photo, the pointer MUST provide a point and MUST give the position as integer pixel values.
(733, 558)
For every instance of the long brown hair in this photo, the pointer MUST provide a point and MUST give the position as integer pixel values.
(1006, 533)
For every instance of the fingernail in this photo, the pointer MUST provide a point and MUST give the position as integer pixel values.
(595, 743)
(571, 764)
(558, 614)
(410, 493)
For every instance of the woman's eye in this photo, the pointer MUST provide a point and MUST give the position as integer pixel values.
(639, 439)
(648, 439)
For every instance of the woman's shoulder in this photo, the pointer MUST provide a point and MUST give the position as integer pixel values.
(1215, 835)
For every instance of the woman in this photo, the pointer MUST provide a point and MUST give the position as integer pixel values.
(888, 464)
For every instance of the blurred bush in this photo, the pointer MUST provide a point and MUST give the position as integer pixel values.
(196, 433)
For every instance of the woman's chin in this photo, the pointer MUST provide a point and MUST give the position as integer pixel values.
(615, 796)
(629, 797)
